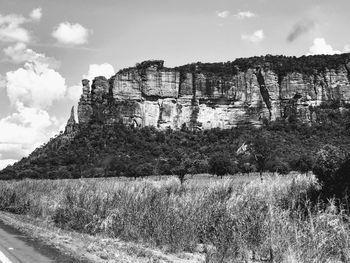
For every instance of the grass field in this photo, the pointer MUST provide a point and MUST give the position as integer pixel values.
(237, 218)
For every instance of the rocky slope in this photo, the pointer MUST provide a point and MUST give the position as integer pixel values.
(199, 98)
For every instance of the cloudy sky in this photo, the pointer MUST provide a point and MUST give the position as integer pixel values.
(47, 47)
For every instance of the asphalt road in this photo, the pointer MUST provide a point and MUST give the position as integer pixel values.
(18, 248)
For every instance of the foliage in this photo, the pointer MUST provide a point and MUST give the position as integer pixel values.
(117, 150)
(262, 150)
(144, 169)
(246, 167)
(280, 64)
(302, 164)
(219, 164)
(277, 166)
(328, 161)
(332, 169)
(340, 185)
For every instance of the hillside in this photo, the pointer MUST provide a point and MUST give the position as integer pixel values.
(150, 119)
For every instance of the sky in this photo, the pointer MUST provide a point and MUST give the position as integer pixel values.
(48, 46)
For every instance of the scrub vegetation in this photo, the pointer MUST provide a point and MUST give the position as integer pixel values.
(235, 218)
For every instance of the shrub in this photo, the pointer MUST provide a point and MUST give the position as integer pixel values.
(247, 168)
(302, 164)
(340, 185)
(219, 164)
(278, 166)
(199, 166)
(145, 169)
(328, 161)
(262, 147)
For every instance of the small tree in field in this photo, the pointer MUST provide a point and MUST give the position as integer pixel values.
(180, 171)
(262, 149)
(180, 165)
(219, 164)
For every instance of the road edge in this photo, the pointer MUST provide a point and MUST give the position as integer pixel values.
(89, 248)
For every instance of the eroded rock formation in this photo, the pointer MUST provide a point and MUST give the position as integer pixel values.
(156, 96)
(71, 125)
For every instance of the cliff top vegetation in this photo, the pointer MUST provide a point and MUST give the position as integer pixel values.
(278, 63)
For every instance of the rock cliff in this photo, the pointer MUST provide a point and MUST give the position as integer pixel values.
(224, 95)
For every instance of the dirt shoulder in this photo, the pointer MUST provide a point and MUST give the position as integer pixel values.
(93, 248)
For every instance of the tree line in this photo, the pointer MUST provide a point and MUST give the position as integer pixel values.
(100, 150)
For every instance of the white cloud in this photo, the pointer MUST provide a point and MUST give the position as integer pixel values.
(11, 26)
(67, 33)
(23, 131)
(36, 14)
(321, 47)
(223, 14)
(19, 53)
(30, 88)
(256, 37)
(2, 82)
(245, 14)
(5, 162)
(11, 151)
(96, 70)
(35, 85)
(24, 127)
(346, 49)
(74, 92)
(30, 117)
(11, 29)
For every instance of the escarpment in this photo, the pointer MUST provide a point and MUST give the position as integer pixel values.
(224, 95)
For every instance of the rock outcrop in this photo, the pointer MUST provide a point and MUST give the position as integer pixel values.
(71, 125)
(152, 95)
(84, 105)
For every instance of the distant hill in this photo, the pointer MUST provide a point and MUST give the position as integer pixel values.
(150, 119)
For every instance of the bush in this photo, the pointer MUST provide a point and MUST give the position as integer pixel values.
(278, 166)
(247, 168)
(302, 164)
(145, 169)
(328, 161)
(219, 164)
(199, 166)
(263, 147)
(340, 185)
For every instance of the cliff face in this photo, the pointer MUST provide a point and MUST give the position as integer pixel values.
(156, 96)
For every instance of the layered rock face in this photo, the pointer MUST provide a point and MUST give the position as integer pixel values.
(170, 98)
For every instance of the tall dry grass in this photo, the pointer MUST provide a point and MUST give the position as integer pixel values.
(230, 219)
